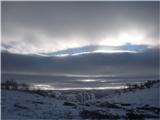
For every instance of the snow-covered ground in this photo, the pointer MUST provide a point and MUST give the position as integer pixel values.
(23, 105)
(150, 96)
(29, 105)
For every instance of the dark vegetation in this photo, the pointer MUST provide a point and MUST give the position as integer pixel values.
(108, 105)
(125, 104)
(21, 107)
(37, 102)
(95, 114)
(147, 84)
(148, 108)
(39, 92)
(139, 116)
(69, 104)
(133, 116)
(13, 85)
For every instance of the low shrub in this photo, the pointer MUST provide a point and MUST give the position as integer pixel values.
(85, 114)
(13, 85)
(69, 104)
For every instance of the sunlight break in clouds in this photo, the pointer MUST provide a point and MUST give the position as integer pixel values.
(38, 42)
(135, 37)
(35, 27)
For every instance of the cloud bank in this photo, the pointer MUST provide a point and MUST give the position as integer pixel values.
(116, 64)
(35, 27)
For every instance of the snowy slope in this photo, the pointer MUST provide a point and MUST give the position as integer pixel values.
(23, 105)
(148, 96)
(29, 105)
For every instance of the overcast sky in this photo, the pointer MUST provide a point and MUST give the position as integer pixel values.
(34, 27)
(30, 28)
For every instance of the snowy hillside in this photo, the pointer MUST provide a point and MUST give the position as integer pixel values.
(150, 96)
(124, 104)
(25, 105)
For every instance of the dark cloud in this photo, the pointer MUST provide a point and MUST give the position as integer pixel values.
(120, 64)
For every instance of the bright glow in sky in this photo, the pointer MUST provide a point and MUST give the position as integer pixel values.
(29, 27)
